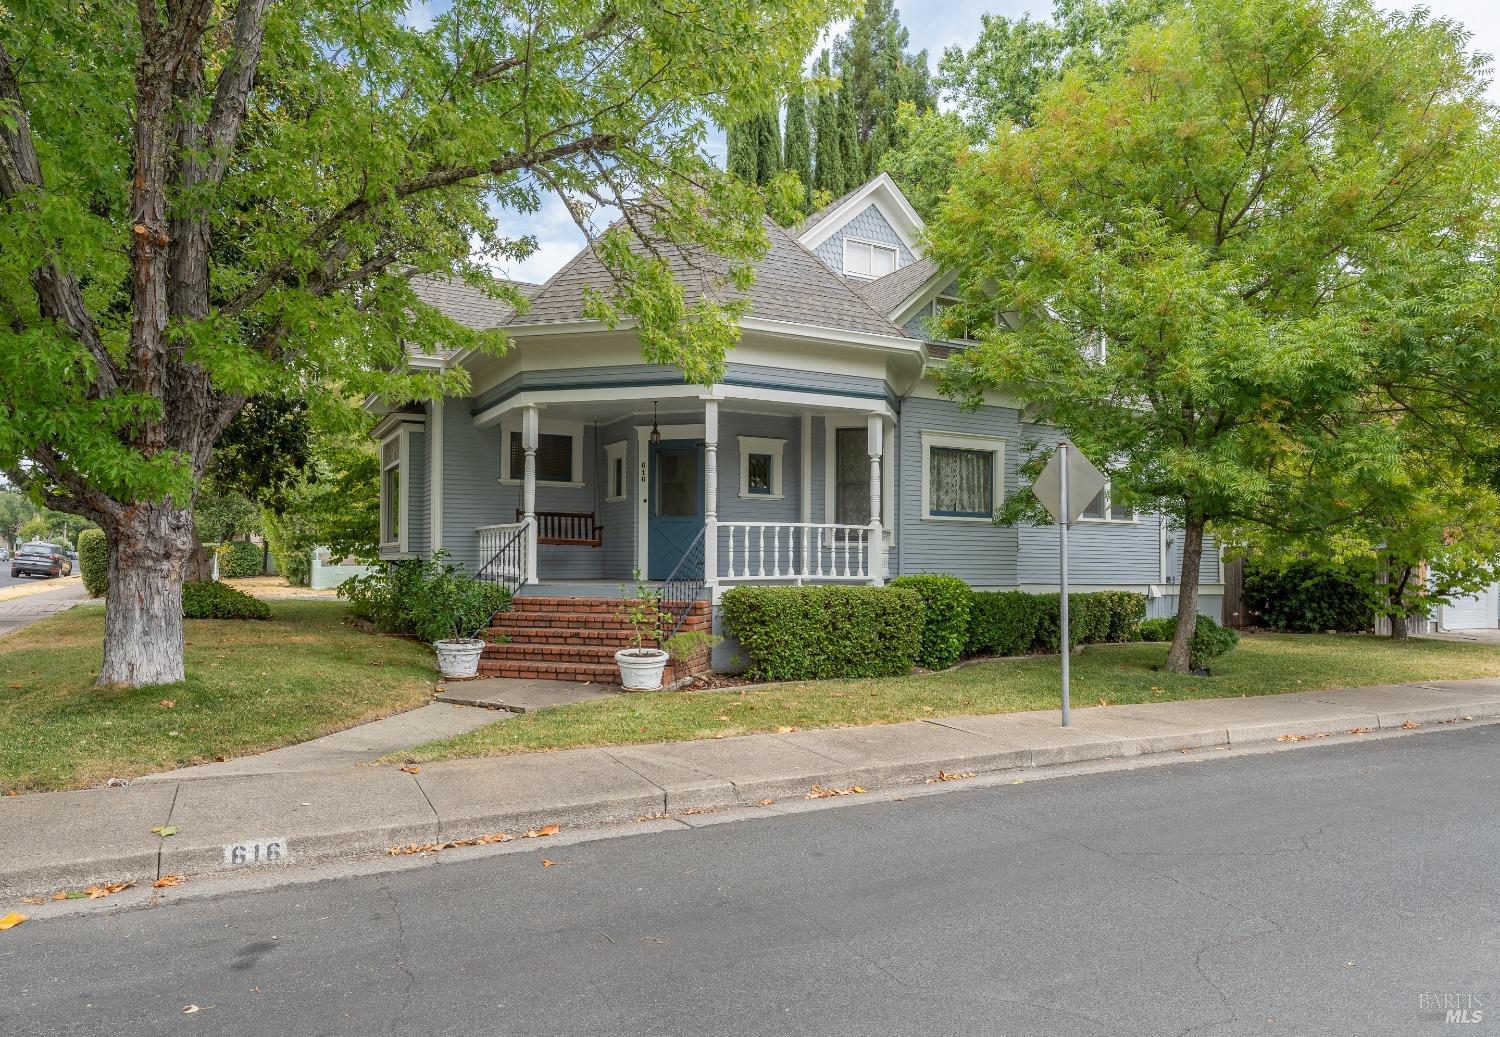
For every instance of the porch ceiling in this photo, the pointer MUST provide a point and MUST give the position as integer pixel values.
(673, 401)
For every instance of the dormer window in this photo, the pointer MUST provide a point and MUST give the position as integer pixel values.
(869, 259)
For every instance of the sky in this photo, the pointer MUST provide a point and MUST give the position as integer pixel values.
(933, 25)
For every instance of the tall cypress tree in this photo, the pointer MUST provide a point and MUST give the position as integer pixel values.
(851, 162)
(767, 145)
(827, 169)
(741, 139)
(796, 154)
(879, 74)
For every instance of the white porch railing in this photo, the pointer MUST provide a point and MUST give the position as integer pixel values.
(798, 551)
(505, 553)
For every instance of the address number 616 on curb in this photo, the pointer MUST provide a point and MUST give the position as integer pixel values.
(257, 851)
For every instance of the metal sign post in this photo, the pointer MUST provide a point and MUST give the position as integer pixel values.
(1062, 580)
(1068, 482)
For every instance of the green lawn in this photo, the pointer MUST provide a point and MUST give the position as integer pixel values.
(1265, 664)
(251, 686)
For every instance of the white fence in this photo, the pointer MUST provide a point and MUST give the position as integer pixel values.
(798, 552)
(506, 551)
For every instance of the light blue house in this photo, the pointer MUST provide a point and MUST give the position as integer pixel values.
(826, 454)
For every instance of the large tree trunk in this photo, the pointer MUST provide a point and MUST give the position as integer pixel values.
(1396, 599)
(200, 562)
(149, 545)
(1178, 658)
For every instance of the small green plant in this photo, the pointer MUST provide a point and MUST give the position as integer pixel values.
(1210, 641)
(433, 600)
(209, 599)
(689, 644)
(1158, 629)
(93, 560)
(643, 612)
(239, 559)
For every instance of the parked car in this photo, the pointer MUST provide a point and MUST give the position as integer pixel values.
(72, 562)
(40, 558)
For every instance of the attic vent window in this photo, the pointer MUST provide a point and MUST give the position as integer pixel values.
(869, 258)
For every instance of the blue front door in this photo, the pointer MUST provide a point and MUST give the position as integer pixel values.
(675, 504)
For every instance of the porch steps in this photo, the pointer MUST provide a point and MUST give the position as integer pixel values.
(572, 639)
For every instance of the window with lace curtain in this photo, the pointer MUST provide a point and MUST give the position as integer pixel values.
(961, 476)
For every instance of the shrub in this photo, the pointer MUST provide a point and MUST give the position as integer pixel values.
(1209, 642)
(239, 559)
(1158, 629)
(93, 561)
(812, 633)
(945, 617)
(432, 600)
(290, 538)
(689, 644)
(1309, 597)
(1092, 618)
(1126, 612)
(209, 599)
(1004, 622)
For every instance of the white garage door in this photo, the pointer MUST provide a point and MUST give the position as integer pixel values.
(1475, 612)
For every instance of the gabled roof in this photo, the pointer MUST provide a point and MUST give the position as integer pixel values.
(887, 294)
(791, 285)
(880, 192)
(808, 223)
(464, 303)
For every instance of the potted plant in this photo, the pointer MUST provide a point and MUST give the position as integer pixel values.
(450, 610)
(641, 667)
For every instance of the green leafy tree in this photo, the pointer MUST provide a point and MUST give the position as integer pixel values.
(786, 199)
(879, 74)
(35, 528)
(999, 78)
(797, 156)
(204, 202)
(15, 509)
(933, 146)
(828, 172)
(1193, 233)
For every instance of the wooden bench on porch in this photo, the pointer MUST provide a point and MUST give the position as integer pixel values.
(573, 528)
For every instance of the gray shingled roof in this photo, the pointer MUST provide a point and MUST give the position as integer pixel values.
(791, 284)
(464, 303)
(888, 293)
(817, 217)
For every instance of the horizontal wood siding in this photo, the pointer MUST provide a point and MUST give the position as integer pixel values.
(617, 556)
(981, 553)
(472, 494)
(418, 494)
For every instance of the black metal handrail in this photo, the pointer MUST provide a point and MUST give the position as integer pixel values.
(507, 566)
(684, 588)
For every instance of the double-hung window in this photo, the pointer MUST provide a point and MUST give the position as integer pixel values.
(869, 259)
(1103, 508)
(390, 492)
(962, 476)
(559, 454)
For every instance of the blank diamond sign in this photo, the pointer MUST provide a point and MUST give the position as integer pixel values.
(1084, 483)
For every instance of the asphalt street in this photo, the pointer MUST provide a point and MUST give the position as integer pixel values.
(1350, 890)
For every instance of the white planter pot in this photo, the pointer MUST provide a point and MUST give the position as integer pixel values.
(459, 657)
(641, 669)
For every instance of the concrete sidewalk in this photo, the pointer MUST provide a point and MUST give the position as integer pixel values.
(71, 839)
(37, 602)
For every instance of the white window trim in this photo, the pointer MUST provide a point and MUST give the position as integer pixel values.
(546, 426)
(830, 470)
(1109, 513)
(873, 244)
(760, 445)
(616, 452)
(963, 441)
(402, 438)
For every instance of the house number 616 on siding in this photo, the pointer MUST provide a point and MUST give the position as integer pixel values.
(256, 851)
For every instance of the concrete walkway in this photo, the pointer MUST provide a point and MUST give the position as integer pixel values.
(21, 610)
(70, 839)
(358, 745)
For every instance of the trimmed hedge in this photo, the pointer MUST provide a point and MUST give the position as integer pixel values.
(814, 633)
(239, 559)
(209, 599)
(945, 628)
(93, 561)
(1159, 629)
(1309, 597)
(1016, 623)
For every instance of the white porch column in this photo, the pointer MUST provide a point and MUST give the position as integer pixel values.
(711, 492)
(530, 428)
(875, 429)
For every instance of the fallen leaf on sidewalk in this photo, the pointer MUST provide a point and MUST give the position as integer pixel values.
(409, 769)
(543, 832)
(1410, 725)
(547, 864)
(943, 775)
(167, 881)
(474, 840)
(1361, 730)
(107, 890)
(190, 1009)
(1292, 738)
(766, 802)
(11, 920)
(33, 900)
(819, 792)
(785, 730)
(164, 830)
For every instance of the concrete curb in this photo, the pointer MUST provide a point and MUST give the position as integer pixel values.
(73, 839)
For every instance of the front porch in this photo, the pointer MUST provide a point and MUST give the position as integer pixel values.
(697, 492)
